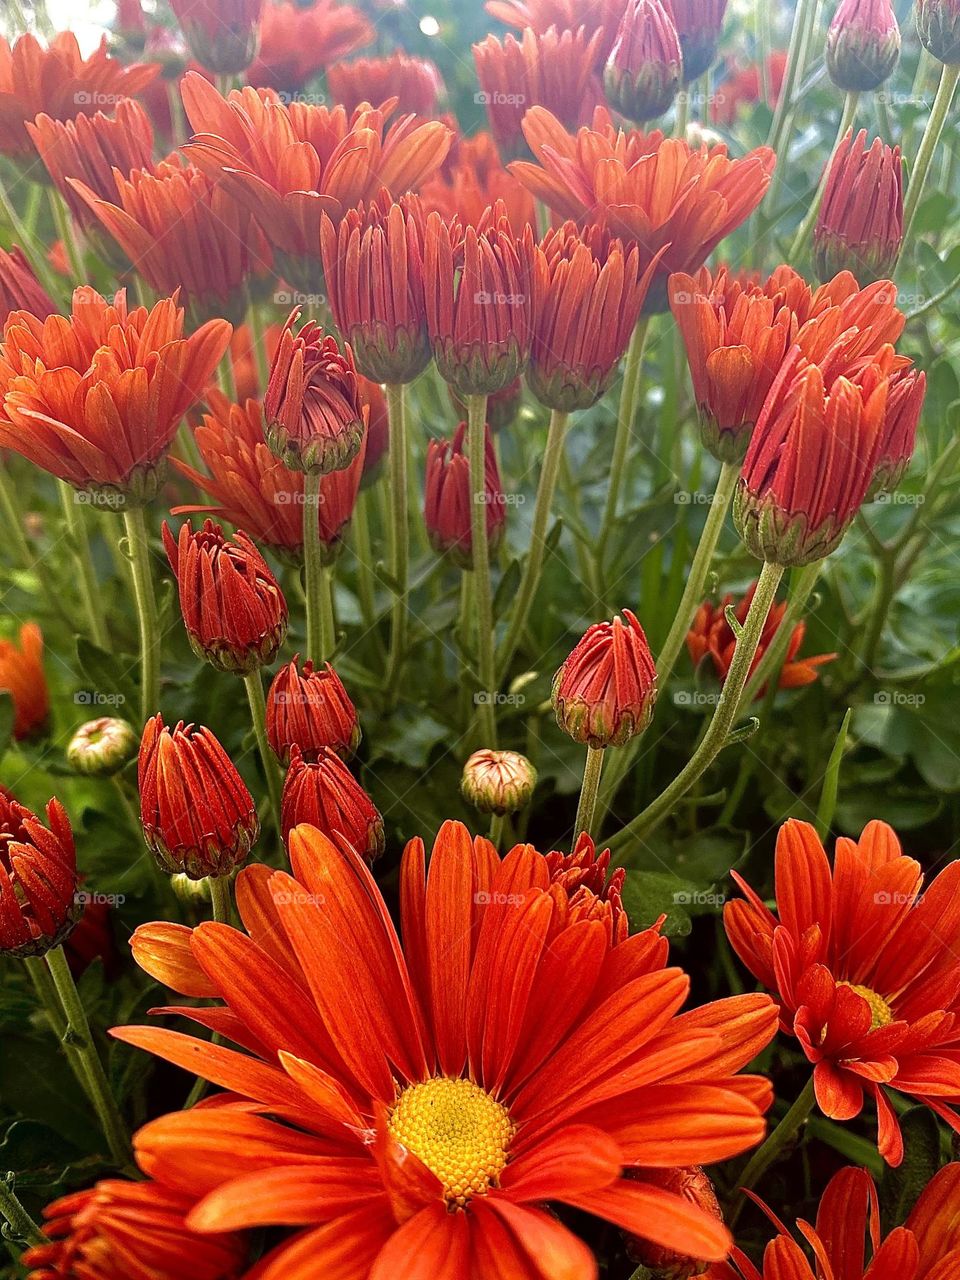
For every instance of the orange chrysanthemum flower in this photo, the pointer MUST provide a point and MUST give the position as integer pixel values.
(182, 229)
(419, 1115)
(712, 636)
(926, 1247)
(20, 290)
(95, 398)
(644, 188)
(553, 70)
(290, 164)
(416, 83)
(864, 967)
(21, 675)
(90, 148)
(601, 16)
(125, 1230)
(298, 41)
(59, 82)
(254, 490)
(473, 179)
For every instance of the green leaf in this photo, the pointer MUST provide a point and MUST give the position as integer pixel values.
(831, 780)
(111, 692)
(902, 1186)
(507, 590)
(647, 895)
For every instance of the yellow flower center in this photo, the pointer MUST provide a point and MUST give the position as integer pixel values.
(459, 1132)
(881, 1015)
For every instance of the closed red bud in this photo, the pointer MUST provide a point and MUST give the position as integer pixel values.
(904, 404)
(197, 815)
(605, 691)
(699, 25)
(323, 793)
(20, 290)
(311, 710)
(645, 67)
(863, 45)
(222, 34)
(498, 782)
(938, 23)
(448, 498)
(38, 878)
(232, 605)
(860, 223)
(690, 1184)
(313, 410)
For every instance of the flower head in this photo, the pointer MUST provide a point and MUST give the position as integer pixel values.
(118, 1230)
(645, 66)
(222, 34)
(323, 793)
(197, 815)
(860, 224)
(102, 746)
(20, 290)
(232, 605)
(699, 25)
(864, 967)
(255, 491)
(96, 397)
(657, 192)
(410, 1109)
(311, 710)
(600, 16)
(553, 70)
(938, 23)
(711, 635)
(38, 878)
(587, 295)
(373, 266)
(59, 82)
(591, 889)
(22, 676)
(474, 178)
(605, 691)
(297, 41)
(478, 282)
(416, 83)
(498, 782)
(314, 417)
(448, 498)
(863, 45)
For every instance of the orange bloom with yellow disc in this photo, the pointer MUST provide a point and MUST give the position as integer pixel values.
(865, 969)
(96, 397)
(416, 1118)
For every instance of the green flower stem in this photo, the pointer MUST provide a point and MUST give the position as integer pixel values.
(22, 1226)
(220, 899)
(78, 1034)
(549, 470)
(483, 587)
(13, 520)
(785, 1132)
(773, 658)
(497, 824)
(139, 552)
(63, 221)
(317, 627)
(32, 247)
(805, 230)
(398, 462)
(626, 414)
(588, 792)
(258, 714)
(803, 20)
(363, 555)
(724, 716)
(949, 76)
(86, 574)
(46, 991)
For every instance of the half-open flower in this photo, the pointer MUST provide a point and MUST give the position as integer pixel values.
(606, 689)
(449, 499)
(96, 398)
(232, 605)
(860, 223)
(645, 67)
(592, 890)
(22, 676)
(38, 878)
(297, 42)
(416, 83)
(197, 815)
(311, 710)
(222, 34)
(863, 45)
(602, 16)
(324, 794)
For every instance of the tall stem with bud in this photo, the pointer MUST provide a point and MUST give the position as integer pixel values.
(480, 546)
(139, 554)
(949, 76)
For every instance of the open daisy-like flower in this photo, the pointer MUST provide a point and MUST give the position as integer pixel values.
(416, 1118)
(865, 969)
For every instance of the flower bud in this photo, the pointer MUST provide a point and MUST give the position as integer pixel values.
(310, 710)
(232, 605)
(863, 45)
(222, 34)
(315, 420)
(102, 747)
(498, 782)
(690, 1184)
(904, 404)
(323, 793)
(860, 223)
(604, 693)
(197, 815)
(699, 25)
(448, 500)
(645, 67)
(938, 23)
(38, 878)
